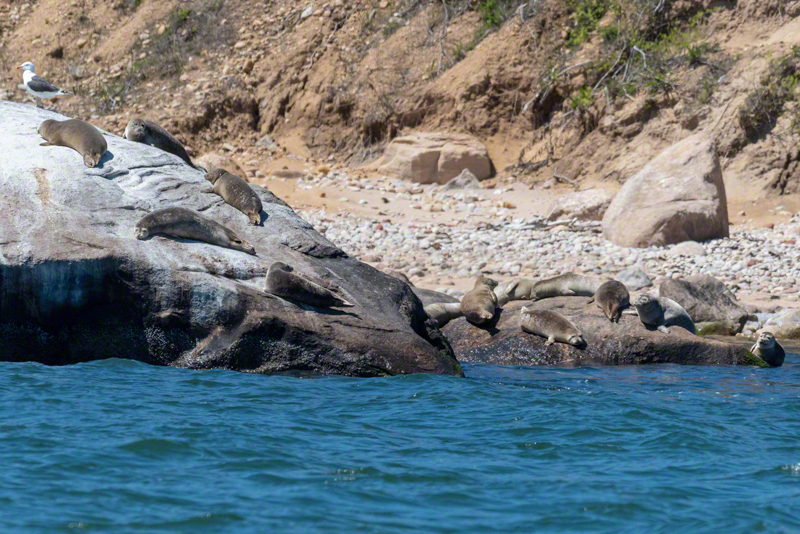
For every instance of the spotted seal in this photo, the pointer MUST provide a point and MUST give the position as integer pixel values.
(566, 285)
(662, 312)
(612, 297)
(283, 281)
(149, 133)
(480, 304)
(552, 325)
(237, 193)
(188, 224)
(78, 135)
(768, 349)
(443, 313)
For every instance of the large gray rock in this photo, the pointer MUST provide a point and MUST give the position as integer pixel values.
(429, 157)
(503, 342)
(587, 205)
(710, 304)
(634, 279)
(785, 325)
(679, 196)
(75, 285)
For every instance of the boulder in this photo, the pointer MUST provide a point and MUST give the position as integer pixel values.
(679, 196)
(786, 325)
(710, 304)
(428, 158)
(75, 285)
(634, 279)
(687, 248)
(212, 160)
(502, 342)
(588, 205)
(465, 180)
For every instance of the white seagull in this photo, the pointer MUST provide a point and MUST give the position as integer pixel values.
(39, 87)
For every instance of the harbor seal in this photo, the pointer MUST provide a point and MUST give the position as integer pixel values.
(480, 304)
(612, 297)
(149, 133)
(236, 193)
(552, 325)
(188, 224)
(519, 289)
(78, 135)
(566, 285)
(284, 282)
(661, 312)
(768, 349)
(443, 313)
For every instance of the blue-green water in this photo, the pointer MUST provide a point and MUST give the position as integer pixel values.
(118, 446)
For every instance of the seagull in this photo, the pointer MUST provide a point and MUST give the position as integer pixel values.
(39, 87)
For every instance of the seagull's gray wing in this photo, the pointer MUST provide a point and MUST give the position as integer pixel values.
(40, 85)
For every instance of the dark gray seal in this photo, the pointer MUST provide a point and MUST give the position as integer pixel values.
(612, 297)
(768, 349)
(150, 133)
(236, 192)
(188, 224)
(480, 304)
(284, 282)
(78, 135)
(552, 325)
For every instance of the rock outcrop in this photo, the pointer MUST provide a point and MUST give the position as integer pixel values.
(503, 342)
(587, 205)
(679, 196)
(428, 158)
(213, 161)
(709, 303)
(75, 285)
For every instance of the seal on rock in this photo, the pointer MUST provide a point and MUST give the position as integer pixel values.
(149, 133)
(443, 313)
(566, 285)
(661, 312)
(768, 349)
(237, 193)
(519, 289)
(612, 297)
(284, 282)
(480, 304)
(78, 135)
(552, 325)
(188, 224)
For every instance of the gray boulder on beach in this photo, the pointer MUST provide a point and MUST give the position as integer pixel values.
(502, 342)
(587, 205)
(75, 285)
(678, 196)
(710, 304)
(634, 279)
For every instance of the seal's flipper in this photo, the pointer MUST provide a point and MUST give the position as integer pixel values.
(569, 293)
(754, 347)
(209, 190)
(46, 144)
(550, 341)
(630, 311)
(663, 329)
(590, 300)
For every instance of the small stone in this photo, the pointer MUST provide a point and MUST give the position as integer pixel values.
(508, 205)
(162, 29)
(322, 194)
(80, 43)
(248, 65)
(323, 169)
(307, 12)
(239, 45)
(362, 201)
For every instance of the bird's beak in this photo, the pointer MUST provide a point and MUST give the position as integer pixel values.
(19, 66)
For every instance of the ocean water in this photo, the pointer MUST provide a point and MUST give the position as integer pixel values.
(118, 446)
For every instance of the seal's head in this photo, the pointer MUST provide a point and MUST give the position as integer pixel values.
(215, 175)
(237, 243)
(766, 340)
(576, 340)
(141, 233)
(484, 281)
(44, 126)
(92, 158)
(649, 309)
(135, 130)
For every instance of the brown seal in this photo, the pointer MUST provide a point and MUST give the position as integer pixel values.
(443, 313)
(768, 349)
(284, 282)
(480, 304)
(612, 297)
(78, 135)
(188, 224)
(236, 192)
(552, 325)
(566, 285)
(150, 133)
